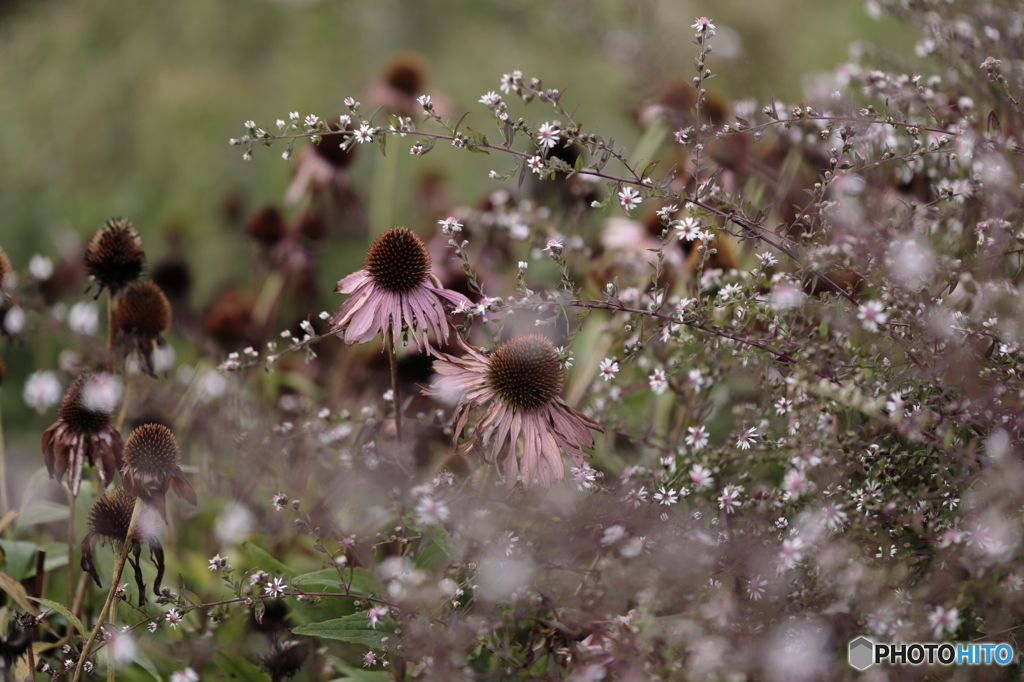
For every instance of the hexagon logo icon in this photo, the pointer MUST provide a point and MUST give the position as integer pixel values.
(862, 653)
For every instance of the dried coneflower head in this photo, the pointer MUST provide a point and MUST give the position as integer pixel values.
(114, 257)
(84, 431)
(398, 261)
(525, 372)
(143, 315)
(285, 659)
(395, 289)
(150, 467)
(520, 383)
(110, 520)
(266, 225)
(407, 73)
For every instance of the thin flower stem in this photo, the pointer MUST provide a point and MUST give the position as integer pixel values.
(395, 397)
(118, 569)
(122, 416)
(71, 555)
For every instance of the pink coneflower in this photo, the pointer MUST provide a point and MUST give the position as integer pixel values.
(394, 290)
(522, 380)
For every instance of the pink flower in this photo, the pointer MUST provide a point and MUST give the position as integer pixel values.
(522, 380)
(395, 290)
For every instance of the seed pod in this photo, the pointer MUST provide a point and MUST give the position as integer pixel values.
(150, 467)
(114, 257)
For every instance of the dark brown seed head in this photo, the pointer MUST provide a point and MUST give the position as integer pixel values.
(525, 372)
(152, 450)
(151, 466)
(398, 261)
(266, 225)
(115, 257)
(143, 310)
(285, 659)
(79, 417)
(112, 514)
(407, 73)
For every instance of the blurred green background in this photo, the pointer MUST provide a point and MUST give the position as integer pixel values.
(123, 108)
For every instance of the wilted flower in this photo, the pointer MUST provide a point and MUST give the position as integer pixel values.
(83, 431)
(143, 315)
(109, 520)
(285, 659)
(114, 257)
(522, 380)
(151, 467)
(395, 289)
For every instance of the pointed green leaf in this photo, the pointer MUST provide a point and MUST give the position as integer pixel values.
(61, 609)
(265, 561)
(360, 580)
(354, 629)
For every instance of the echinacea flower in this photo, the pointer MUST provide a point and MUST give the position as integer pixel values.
(395, 289)
(285, 659)
(109, 520)
(522, 380)
(151, 467)
(143, 315)
(114, 257)
(83, 431)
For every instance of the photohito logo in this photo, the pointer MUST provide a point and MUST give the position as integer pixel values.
(864, 653)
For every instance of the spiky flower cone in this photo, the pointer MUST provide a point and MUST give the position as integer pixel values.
(521, 385)
(109, 520)
(83, 431)
(395, 289)
(143, 315)
(114, 257)
(150, 467)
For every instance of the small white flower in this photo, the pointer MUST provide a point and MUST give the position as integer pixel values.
(791, 553)
(42, 390)
(629, 198)
(312, 120)
(636, 497)
(275, 588)
(364, 134)
(186, 675)
(431, 512)
(658, 381)
(294, 116)
(508, 80)
(583, 477)
(14, 320)
(872, 314)
(491, 99)
(767, 259)
(703, 25)
(608, 369)
(376, 614)
(689, 229)
(416, 149)
(697, 436)
(944, 619)
(747, 438)
(424, 101)
(783, 406)
(40, 267)
(755, 587)
(535, 164)
(547, 136)
(729, 500)
(700, 476)
(84, 318)
(173, 617)
(666, 497)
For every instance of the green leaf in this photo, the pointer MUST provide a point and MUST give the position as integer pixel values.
(19, 558)
(61, 609)
(382, 140)
(42, 512)
(363, 582)
(265, 561)
(17, 592)
(237, 668)
(354, 629)
(359, 674)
